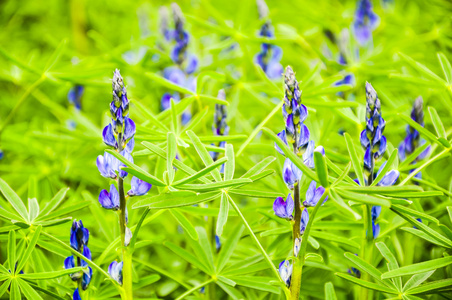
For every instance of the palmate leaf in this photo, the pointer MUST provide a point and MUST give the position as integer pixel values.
(433, 287)
(205, 187)
(27, 290)
(201, 173)
(203, 154)
(392, 263)
(228, 247)
(222, 215)
(367, 284)
(416, 280)
(54, 202)
(26, 255)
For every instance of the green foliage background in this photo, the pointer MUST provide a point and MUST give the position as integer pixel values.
(48, 46)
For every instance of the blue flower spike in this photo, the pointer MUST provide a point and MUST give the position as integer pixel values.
(366, 21)
(413, 140)
(372, 139)
(79, 241)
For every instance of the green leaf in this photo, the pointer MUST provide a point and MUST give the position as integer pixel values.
(203, 154)
(185, 223)
(222, 215)
(419, 267)
(174, 118)
(366, 199)
(424, 236)
(335, 238)
(431, 286)
(330, 294)
(322, 171)
(177, 163)
(175, 199)
(382, 189)
(228, 247)
(354, 158)
(364, 266)
(14, 200)
(392, 262)
(367, 284)
(202, 172)
(421, 129)
(169, 84)
(135, 170)
(289, 154)
(205, 246)
(15, 293)
(50, 275)
(415, 213)
(255, 282)
(343, 174)
(416, 280)
(439, 127)
(172, 148)
(33, 209)
(386, 168)
(227, 280)
(150, 116)
(259, 167)
(229, 167)
(205, 187)
(12, 251)
(4, 287)
(30, 248)
(256, 194)
(55, 201)
(445, 65)
(28, 291)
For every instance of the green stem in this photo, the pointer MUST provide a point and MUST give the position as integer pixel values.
(300, 260)
(194, 289)
(126, 255)
(366, 247)
(267, 258)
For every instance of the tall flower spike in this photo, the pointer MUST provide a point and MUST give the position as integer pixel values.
(270, 55)
(262, 9)
(220, 126)
(372, 138)
(365, 22)
(413, 140)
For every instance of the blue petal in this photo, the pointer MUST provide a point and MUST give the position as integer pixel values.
(129, 129)
(389, 179)
(304, 221)
(69, 262)
(175, 75)
(375, 230)
(108, 136)
(274, 70)
(364, 139)
(86, 278)
(192, 64)
(282, 136)
(375, 212)
(76, 295)
(279, 207)
(304, 136)
(139, 187)
(310, 194)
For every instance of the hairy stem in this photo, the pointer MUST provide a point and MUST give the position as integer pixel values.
(300, 259)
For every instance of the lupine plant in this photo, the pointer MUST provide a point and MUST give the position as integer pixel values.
(195, 172)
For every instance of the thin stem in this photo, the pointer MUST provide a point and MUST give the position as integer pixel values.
(194, 289)
(300, 260)
(126, 255)
(269, 261)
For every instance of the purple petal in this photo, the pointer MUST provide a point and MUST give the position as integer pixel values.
(192, 64)
(375, 212)
(424, 153)
(138, 187)
(304, 221)
(289, 206)
(310, 194)
(175, 75)
(76, 295)
(282, 136)
(129, 129)
(303, 113)
(389, 179)
(304, 136)
(364, 140)
(166, 101)
(308, 156)
(69, 262)
(279, 207)
(274, 70)
(108, 136)
(367, 159)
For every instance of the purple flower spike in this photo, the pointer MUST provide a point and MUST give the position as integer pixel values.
(365, 22)
(109, 137)
(115, 271)
(109, 200)
(291, 173)
(285, 271)
(284, 209)
(138, 187)
(304, 221)
(313, 195)
(107, 165)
